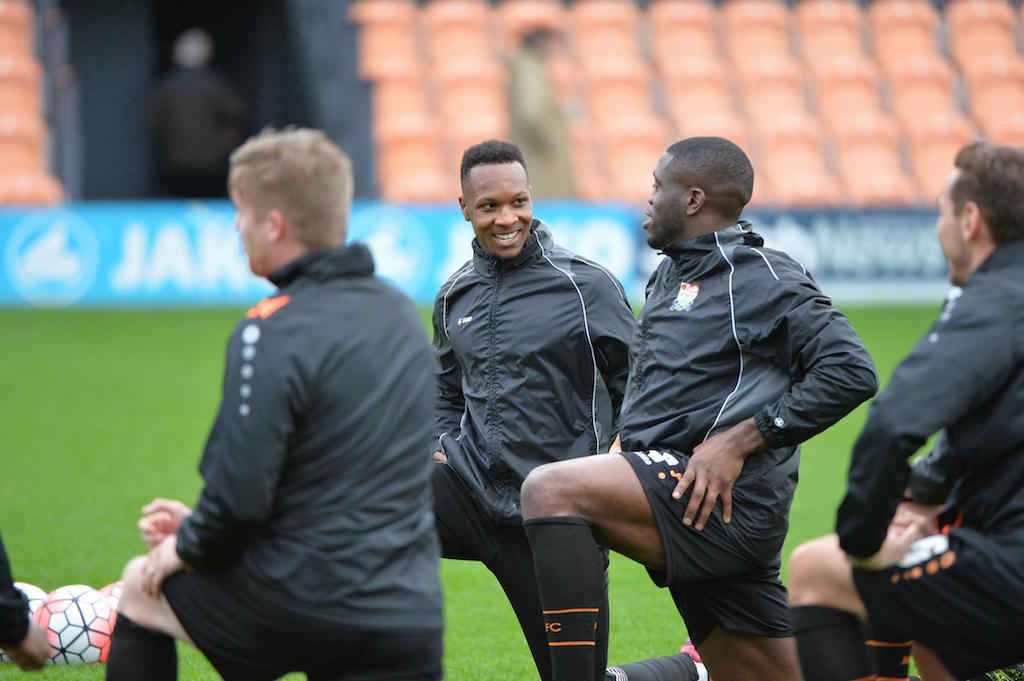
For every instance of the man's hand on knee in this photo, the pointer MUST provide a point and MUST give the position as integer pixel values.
(32, 651)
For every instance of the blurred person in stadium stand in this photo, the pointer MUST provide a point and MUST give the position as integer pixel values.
(196, 118)
(538, 122)
(954, 585)
(738, 359)
(532, 349)
(312, 546)
(22, 640)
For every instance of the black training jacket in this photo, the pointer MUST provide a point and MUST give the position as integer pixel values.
(13, 605)
(316, 487)
(731, 330)
(966, 376)
(532, 359)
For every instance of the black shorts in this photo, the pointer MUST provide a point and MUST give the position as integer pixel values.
(708, 574)
(961, 595)
(245, 640)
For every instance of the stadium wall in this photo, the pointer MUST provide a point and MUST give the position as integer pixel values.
(188, 253)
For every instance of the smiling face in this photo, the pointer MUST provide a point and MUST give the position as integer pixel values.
(496, 200)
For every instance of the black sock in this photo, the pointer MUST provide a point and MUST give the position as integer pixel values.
(830, 644)
(139, 653)
(678, 667)
(889, 652)
(571, 581)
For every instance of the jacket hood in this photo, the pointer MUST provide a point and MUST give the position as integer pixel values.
(345, 261)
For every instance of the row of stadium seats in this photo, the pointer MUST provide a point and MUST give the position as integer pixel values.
(837, 103)
(23, 135)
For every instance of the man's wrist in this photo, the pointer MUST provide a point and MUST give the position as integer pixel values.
(746, 438)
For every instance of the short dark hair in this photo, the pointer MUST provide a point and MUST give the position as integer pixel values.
(489, 153)
(992, 177)
(720, 168)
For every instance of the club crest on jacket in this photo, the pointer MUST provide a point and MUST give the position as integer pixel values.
(684, 299)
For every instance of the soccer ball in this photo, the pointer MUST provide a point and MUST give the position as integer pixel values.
(36, 596)
(113, 593)
(78, 622)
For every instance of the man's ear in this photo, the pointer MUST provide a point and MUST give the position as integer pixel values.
(694, 200)
(464, 207)
(973, 222)
(277, 224)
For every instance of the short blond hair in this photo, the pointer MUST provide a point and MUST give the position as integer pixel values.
(300, 172)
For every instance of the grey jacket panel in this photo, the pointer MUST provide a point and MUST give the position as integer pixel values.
(532, 360)
(316, 487)
(966, 376)
(731, 330)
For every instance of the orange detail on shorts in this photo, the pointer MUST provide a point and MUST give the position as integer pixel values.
(916, 572)
(888, 644)
(947, 559)
(559, 612)
(267, 307)
(892, 678)
(661, 475)
(677, 476)
(895, 578)
(955, 524)
(559, 644)
(932, 566)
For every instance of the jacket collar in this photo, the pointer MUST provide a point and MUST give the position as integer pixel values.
(537, 242)
(740, 233)
(345, 261)
(1006, 255)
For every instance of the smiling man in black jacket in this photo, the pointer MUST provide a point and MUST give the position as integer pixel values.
(955, 587)
(312, 546)
(532, 346)
(738, 359)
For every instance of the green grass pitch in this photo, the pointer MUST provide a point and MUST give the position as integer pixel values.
(104, 410)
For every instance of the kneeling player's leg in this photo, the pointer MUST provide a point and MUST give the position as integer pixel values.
(142, 645)
(565, 505)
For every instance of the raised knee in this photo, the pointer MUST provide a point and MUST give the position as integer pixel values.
(543, 492)
(132, 580)
(811, 568)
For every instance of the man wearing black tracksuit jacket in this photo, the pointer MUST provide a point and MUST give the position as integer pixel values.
(312, 546)
(738, 359)
(531, 343)
(955, 588)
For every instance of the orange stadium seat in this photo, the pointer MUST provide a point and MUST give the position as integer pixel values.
(934, 140)
(756, 27)
(829, 27)
(696, 82)
(902, 28)
(589, 181)
(16, 27)
(846, 85)
(20, 85)
(682, 28)
(516, 18)
(460, 100)
(29, 189)
(871, 173)
(779, 133)
(21, 144)
(398, 97)
(918, 84)
(995, 82)
(866, 128)
(630, 166)
(716, 123)
(612, 81)
(771, 83)
(1005, 128)
(979, 27)
(387, 40)
(799, 179)
(412, 170)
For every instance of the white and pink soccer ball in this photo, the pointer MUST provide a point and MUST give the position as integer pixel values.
(78, 621)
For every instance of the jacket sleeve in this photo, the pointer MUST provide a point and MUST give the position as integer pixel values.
(246, 449)
(932, 477)
(782, 315)
(611, 330)
(13, 605)
(450, 402)
(958, 365)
